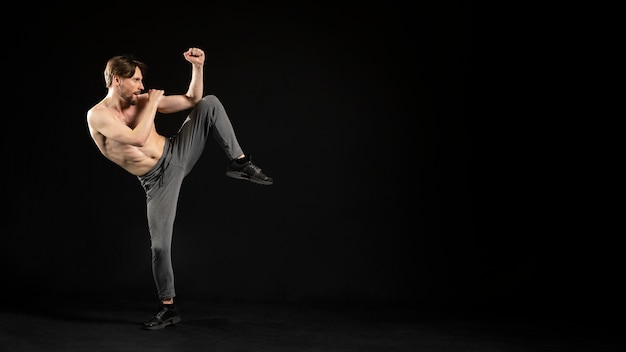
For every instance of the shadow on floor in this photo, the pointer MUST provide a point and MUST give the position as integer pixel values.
(116, 326)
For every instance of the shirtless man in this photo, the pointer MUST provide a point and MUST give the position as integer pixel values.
(122, 127)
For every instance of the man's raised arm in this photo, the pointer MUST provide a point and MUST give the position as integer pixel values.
(195, 92)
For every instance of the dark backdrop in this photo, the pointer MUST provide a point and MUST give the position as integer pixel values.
(389, 187)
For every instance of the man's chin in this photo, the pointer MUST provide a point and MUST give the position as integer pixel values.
(132, 100)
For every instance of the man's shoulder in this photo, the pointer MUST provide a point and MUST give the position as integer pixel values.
(99, 109)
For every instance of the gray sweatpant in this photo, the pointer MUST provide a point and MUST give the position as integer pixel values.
(162, 183)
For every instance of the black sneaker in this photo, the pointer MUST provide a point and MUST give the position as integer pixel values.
(165, 317)
(244, 169)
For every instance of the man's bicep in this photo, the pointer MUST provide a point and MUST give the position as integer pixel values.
(107, 126)
(174, 103)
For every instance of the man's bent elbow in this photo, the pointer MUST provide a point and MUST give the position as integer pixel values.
(195, 100)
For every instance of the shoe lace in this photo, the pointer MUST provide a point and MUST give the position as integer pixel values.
(256, 169)
(161, 313)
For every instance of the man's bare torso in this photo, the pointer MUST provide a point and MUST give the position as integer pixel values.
(134, 159)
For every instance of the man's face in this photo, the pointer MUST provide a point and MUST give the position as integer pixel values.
(131, 87)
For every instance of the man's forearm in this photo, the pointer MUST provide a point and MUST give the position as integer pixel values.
(196, 85)
(146, 122)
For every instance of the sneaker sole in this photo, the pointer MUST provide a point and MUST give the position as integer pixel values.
(243, 176)
(169, 322)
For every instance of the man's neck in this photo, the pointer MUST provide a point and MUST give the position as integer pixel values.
(113, 101)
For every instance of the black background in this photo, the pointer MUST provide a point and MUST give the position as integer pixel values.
(394, 181)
